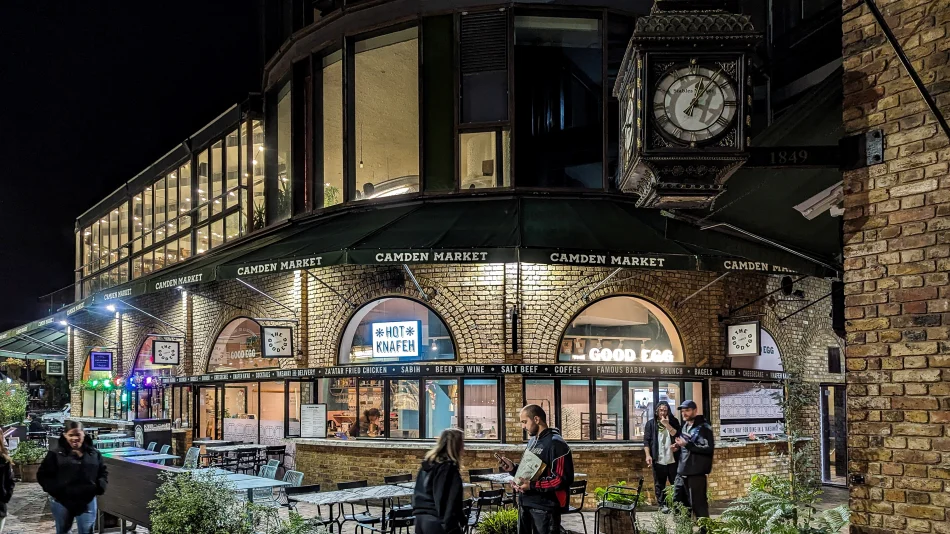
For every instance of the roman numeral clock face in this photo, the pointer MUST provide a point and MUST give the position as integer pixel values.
(694, 104)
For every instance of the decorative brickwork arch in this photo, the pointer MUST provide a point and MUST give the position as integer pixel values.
(691, 323)
(444, 302)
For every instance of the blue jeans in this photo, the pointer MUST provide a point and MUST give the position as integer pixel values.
(64, 520)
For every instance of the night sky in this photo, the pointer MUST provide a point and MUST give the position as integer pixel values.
(93, 93)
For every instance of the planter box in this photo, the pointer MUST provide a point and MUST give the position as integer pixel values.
(28, 472)
(615, 519)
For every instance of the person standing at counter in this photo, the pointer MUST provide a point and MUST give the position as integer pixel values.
(698, 444)
(73, 475)
(437, 501)
(542, 500)
(368, 425)
(658, 435)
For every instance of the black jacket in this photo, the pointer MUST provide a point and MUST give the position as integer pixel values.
(72, 480)
(651, 432)
(6, 485)
(697, 455)
(550, 490)
(438, 493)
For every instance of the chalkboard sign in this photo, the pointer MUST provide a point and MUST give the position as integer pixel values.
(313, 420)
(55, 368)
(100, 361)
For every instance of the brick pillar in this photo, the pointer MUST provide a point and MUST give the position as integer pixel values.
(897, 258)
(188, 358)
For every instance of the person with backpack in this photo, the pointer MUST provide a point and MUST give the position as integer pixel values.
(73, 476)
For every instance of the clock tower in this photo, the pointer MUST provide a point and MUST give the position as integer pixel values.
(686, 102)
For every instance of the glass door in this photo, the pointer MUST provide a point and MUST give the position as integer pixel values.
(207, 413)
(834, 438)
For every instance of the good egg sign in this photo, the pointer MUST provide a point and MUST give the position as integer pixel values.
(399, 339)
(629, 355)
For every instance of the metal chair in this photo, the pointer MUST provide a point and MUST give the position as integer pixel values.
(396, 521)
(247, 462)
(473, 477)
(619, 494)
(398, 503)
(191, 458)
(467, 506)
(578, 487)
(151, 446)
(488, 500)
(364, 517)
(265, 496)
(164, 450)
(273, 463)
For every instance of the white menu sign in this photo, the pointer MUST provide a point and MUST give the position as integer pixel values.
(313, 420)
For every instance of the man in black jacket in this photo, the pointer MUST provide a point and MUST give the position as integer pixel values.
(543, 499)
(697, 444)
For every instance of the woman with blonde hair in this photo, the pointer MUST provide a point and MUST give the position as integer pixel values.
(6, 481)
(437, 502)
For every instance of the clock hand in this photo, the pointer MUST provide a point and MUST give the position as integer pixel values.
(702, 91)
(698, 88)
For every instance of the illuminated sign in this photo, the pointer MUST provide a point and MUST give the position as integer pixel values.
(625, 355)
(399, 339)
(100, 361)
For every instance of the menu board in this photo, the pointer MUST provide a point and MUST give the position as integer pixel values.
(313, 420)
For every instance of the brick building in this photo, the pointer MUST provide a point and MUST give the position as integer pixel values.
(896, 263)
(345, 268)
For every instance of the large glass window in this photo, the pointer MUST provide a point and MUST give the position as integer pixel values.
(558, 102)
(541, 393)
(608, 422)
(332, 132)
(485, 159)
(259, 211)
(372, 417)
(271, 413)
(284, 165)
(404, 409)
(238, 346)
(387, 115)
(621, 329)
(575, 409)
(232, 175)
(339, 394)
(480, 397)
(298, 393)
(395, 330)
(241, 412)
(442, 400)
(641, 407)
(217, 177)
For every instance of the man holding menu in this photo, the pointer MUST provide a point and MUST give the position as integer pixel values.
(543, 486)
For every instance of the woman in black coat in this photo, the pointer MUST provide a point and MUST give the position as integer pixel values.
(659, 434)
(6, 481)
(73, 475)
(437, 501)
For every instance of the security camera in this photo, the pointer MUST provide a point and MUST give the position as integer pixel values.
(828, 200)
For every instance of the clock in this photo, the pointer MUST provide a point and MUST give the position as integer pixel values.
(694, 103)
(278, 341)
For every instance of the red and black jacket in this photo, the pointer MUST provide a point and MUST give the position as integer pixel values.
(550, 490)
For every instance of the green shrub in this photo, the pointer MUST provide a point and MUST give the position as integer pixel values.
(504, 521)
(189, 504)
(28, 453)
(12, 403)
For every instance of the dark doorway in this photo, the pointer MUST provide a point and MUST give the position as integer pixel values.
(834, 435)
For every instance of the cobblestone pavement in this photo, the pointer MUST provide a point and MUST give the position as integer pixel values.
(28, 512)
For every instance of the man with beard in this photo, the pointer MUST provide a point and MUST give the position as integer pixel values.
(697, 444)
(542, 500)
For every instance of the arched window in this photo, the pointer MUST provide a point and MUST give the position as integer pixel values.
(238, 346)
(621, 329)
(395, 330)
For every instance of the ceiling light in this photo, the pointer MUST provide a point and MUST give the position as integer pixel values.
(187, 200)
(253, 162)
(138, 198)
(110, 307)
(260, 148)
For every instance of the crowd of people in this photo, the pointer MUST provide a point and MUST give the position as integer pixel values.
(679, 454)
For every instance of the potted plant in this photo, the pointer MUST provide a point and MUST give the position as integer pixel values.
(12, 403)
(27, 458)
(504, 521)
(189, 503)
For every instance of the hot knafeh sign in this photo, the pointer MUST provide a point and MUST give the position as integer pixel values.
(399, 339)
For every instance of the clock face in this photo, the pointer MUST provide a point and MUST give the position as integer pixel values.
(694, 103)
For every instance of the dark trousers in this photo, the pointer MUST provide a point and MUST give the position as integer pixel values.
(428, 524)
(537, 521)
(691, 491)
(663, 475)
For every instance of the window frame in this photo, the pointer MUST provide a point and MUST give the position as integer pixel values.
(625, 385)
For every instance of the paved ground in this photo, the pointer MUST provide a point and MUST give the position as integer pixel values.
(28, 512)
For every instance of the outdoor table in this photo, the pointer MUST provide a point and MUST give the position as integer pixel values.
(207, 442)
(245, 482)
(505, 478)
(129, 453)
(235, 448)
(153, 457)
(91, 429)
(112, 435)
(122, 449)
(115, 440)
(341, 497)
